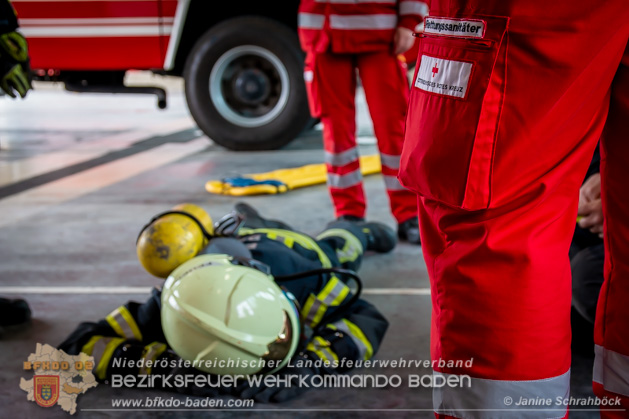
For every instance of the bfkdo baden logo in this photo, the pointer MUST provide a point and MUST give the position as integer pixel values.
(46, 390)
(59, 378)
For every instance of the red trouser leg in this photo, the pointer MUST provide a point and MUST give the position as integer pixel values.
(385, 82)
(611, 336)
(335, 76)
(499, 134)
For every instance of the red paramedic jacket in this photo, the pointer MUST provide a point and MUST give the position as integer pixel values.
(351, 28)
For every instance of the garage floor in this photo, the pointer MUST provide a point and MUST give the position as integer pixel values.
(80, 174)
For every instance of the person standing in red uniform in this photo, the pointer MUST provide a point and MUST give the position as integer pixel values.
(340, 37)
(508, 102)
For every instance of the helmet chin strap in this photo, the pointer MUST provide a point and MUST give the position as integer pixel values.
(205, 233)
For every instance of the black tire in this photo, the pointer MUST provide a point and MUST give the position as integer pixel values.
(244, 84)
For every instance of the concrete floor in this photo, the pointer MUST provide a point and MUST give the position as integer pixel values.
(80, 174)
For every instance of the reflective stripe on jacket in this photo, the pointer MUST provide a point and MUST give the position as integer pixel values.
(355, 26)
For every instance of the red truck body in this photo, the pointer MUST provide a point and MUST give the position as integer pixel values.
(97, 35)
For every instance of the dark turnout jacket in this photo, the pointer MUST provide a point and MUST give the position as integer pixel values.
(353, 333)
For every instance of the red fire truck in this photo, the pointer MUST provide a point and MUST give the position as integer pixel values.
(241, 61)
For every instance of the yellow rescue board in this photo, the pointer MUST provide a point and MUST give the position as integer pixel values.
(283, 180)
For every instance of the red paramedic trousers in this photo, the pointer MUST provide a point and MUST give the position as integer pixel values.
(332, 94)
(508, 102)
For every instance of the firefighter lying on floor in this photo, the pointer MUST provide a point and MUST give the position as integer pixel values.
(254, 301)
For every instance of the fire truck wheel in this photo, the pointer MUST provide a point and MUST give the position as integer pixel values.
(245, 86)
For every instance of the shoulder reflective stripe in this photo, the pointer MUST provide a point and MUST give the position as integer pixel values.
(123, 323)
(358, 337)
(151, 352)
(611, 369)
(390, 161)
(481, 395)
(345, 181)
(306, 242)
(321, 347)
(288, 241)
(352, 249)
(342, 159)
(413, 8)
(392, 183)
(377, 22)
(101, 348)
(310, 21)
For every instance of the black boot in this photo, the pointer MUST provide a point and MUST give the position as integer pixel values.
(254, 220)
(409, 231)
(351, 218)
(380, 238)
(14, 313)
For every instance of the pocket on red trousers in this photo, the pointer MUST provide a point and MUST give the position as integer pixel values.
(454, 109)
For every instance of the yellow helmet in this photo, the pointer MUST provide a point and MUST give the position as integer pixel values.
(172, 238)
(228, 318)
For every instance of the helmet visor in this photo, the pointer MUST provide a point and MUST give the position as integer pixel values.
(280, 349)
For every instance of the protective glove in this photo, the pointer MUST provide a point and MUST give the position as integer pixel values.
(14, 64)
(14, 79)
(15, 46)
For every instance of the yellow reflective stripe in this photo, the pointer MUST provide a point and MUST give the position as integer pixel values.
(358, 337)
(352, 249)
(341, 294)
(301, 239)
(123, 323)
(321, 347)
(308, 311)
(101, 348)
(288, 241)
(319, 310)
(313, 310)
(332, 294)
(151, 353)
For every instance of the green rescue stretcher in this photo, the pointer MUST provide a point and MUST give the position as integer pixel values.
(283, 180)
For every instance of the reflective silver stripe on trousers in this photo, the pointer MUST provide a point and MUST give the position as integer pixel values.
(363, 21)
(357, 1)
(343, 158)
(413, 8)
(389, 160)
(122, 322)
(392, 184)
(327, 353)
(310, 21)
(466, 397)
(611, 369)
(362, 349)
(99, 349)
(150, 355)
(345, 181)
